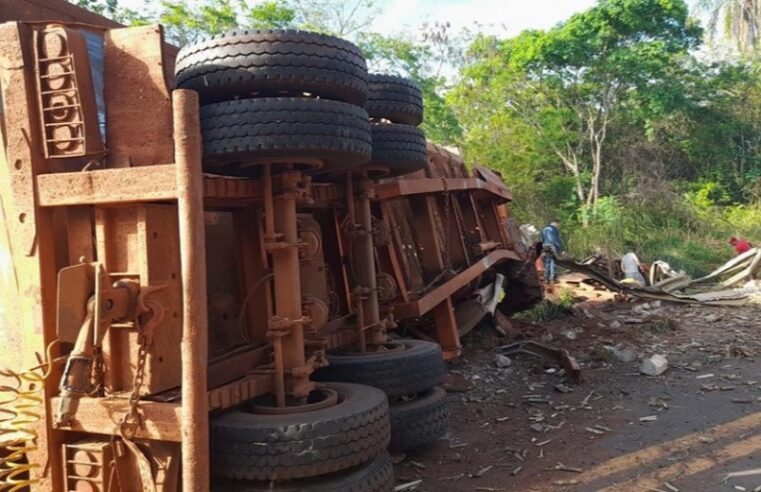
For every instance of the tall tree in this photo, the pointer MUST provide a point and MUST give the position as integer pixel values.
(569, 83)
(344, 18)
(740, 21)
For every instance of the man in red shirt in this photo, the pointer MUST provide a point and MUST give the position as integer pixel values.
(741, 245)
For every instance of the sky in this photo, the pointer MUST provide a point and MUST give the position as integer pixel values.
(504, 18)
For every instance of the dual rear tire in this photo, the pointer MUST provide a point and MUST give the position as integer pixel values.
(302, 98)
(337, 443)
(408, 372)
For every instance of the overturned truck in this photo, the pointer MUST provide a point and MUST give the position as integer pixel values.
(211, 270)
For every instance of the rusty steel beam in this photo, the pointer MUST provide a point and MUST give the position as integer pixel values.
(161, 421)
(286, 328)
(130, 185)
(446, 329)
(407, 187)
(195, 328)
(445, 290)
(108, 186)
(363, 256)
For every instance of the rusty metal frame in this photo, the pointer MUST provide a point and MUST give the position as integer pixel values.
(56, 218)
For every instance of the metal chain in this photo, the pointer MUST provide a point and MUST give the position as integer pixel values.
(132, 417)
(99, 386)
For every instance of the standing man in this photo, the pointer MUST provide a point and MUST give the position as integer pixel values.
(553, 247)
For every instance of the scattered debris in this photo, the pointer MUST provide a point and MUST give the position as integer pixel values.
(649, 418)
(565, 483)
(570, 334)
(456, 382)
(560, 356)
(453, 478)
(622, 352)
(408, 486)
(483, 471)
(562, 467)
(563, 388)
(654, 365)
(744, 473)
(723, 296)
(502, 361)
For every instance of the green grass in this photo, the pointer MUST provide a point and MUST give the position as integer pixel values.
(549, 309)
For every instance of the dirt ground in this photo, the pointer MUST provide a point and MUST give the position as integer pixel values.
(686, 430)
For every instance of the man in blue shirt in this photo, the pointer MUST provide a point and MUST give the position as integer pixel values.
(553, 247)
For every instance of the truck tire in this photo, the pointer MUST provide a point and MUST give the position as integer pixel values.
(396, 99)
(412, 366)
(375, 476)
(419, 421)
(401, 148)
(273, 62)
(237, 134)
(248, 446)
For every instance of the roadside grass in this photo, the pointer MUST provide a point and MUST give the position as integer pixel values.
(690, 238)
(550, 308)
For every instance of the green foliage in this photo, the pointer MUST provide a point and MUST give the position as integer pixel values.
(561, 90)
(271, 15)
(740, 21)
(110, 9)
(185, 21)
(102, 7)
(550, 308)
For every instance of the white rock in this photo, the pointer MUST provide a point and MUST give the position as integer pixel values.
(570, 334)
(654, 365)
(615, 325)
(502, 361)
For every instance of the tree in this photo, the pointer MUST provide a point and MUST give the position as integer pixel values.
(343, 18)
(271, 15)
(185, 22)
(740, 19)
(108, 8)
(568, 84)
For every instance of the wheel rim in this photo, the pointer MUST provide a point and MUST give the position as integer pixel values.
(321, 397)
(380, 349)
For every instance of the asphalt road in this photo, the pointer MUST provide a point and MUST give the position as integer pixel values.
(514, 432)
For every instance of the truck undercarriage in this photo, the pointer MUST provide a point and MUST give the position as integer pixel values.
(184, 306)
